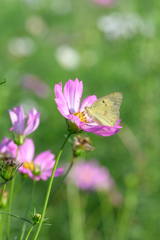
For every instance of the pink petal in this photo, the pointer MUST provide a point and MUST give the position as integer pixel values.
(75, 120)
(62, 107)
(59, 171)
(60, 100)
(18, 119)
(73, 93)
(33, 121)
(26, 171)
(13, 116)
(26, 151)
(58, 90)
(12, 148)
(8, 146)
(108, 131)
(46, 174)
(103, 130)
(88, 102)
(117, 124)
(4, 144)
(45, 160)
(39, 177)
(92, 128)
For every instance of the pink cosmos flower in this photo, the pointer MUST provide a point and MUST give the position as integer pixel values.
(39, 87)
(68, 103)
(104, 2)
(90, 176)
(41, 166)
(18, 119)
(8, 147)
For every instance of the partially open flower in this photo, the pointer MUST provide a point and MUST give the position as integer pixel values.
(20, 128)
(68, 103)
(40, 167)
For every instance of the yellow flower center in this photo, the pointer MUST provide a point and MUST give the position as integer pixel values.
(81, 116)
(29, 165)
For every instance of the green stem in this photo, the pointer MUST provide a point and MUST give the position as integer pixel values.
(9, 207)
(3, 190)
(29, 207)
(49, 187)
(3, 217)
(2, 225)
(30, 231)
(126, 214)
(10, 199)
(106, 209)
(63, 178)
(76, 213)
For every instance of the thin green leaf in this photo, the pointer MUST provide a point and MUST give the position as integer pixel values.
(4, 81)
(12, 215)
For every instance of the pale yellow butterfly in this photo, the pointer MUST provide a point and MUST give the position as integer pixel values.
(105, 110)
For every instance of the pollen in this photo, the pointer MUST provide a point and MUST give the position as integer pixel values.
(81, 116)
(28, 165)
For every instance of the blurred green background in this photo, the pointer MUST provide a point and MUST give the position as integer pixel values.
(110, 48)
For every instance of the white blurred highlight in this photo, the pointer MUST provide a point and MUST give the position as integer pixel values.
(67, 57)
(21, 47)
(36, 25)
(118, 25)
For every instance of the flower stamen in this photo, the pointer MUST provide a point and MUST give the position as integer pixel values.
(81, 116)
(28, 165)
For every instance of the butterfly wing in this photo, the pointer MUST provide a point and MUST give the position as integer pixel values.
(105, 110)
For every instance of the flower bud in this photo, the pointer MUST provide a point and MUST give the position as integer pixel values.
(78, 152)
(8, 171)
(36, 218)
(81, 144)
(8, 168)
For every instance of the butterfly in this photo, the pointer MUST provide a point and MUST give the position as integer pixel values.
(105, 110)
